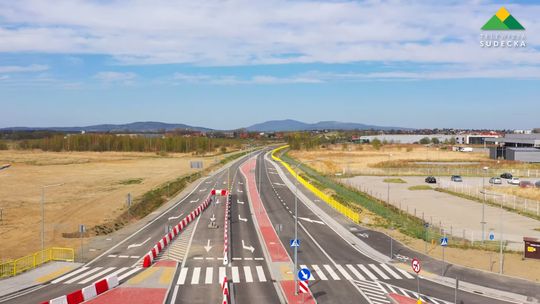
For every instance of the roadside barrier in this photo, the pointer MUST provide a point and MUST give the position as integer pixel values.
(226, 231)
(169, 237)
(346, 211)
(36, 259)
(86, 293)
(222, 192)
(225, 290)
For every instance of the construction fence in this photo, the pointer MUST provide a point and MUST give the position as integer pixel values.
(15, 267)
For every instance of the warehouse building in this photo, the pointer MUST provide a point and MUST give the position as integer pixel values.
(519, 147)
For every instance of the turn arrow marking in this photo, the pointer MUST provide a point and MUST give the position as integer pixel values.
(175, 217)
(250, 248)
(242, 219)
(311, 221)
(138, 245)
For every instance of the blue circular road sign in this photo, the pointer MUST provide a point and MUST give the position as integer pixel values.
(491, 236)
(304, 274)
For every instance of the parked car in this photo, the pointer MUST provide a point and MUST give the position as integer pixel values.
(495, 180)
(506, 175)
(526, 184)
(537, 184)
(431, 180)
(456, 178)
(513, 181)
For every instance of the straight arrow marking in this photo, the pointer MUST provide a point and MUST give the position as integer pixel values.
(207, 247)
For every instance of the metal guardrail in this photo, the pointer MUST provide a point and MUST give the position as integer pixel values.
(346, 211)
(15, 267)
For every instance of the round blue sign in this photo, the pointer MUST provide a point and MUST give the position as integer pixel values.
(304, 274)
(491, 236)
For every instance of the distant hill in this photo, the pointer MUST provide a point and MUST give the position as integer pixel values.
(295, 125)
(144, 126)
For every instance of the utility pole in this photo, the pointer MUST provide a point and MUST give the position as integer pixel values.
(483, 222)
(43, 213)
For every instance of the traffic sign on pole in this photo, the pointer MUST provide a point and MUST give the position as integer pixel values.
(416, 265)
(444, 241)
(295, 243)
(304, 274)
(491, 235)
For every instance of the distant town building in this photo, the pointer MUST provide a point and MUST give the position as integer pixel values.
(461, 139)
(523, 147)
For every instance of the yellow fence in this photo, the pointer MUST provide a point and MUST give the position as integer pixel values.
(346, 211)
(32, 261)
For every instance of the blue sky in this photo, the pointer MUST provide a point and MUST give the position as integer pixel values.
(231, 64)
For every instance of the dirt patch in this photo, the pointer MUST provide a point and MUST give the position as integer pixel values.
(92, 191)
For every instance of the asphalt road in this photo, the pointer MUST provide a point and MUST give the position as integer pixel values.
(125, 257)
(326, 253)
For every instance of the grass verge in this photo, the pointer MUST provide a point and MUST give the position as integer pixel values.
(420, 187)
(394, 181)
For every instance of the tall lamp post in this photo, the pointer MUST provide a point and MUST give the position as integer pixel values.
(483, 222)
(500, 228)
(296, 223)
(43, 212)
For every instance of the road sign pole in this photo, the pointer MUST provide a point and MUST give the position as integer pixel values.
(456, 290)
(443, 261)
(296, 233)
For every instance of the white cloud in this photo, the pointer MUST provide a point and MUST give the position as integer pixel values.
(231, 79)
(4, 77)
(244, 32)
(23, 69)
(109, 76)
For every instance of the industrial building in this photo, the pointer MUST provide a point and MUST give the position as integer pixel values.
(460, 139)
(519, 147)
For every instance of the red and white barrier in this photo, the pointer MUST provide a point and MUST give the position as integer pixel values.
(303, 287)
(226, 232)
(169, 237)
(86, 293)
(225, 289)
(222, 192)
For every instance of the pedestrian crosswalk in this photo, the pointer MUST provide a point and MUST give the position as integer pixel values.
(88, 275)
(376, 292)
(325, 272)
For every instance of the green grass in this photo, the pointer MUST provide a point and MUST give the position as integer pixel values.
(420, 187)
(394, 181)
(132, 181)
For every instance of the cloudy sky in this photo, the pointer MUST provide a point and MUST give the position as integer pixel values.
(228, 64)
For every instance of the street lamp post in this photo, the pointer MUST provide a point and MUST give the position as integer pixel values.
(43, 213)
(483, 222)
(388, 200)
(501, 231)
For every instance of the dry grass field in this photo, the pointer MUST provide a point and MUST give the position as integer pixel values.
(528, 193)
(355, 158)
(94, 188)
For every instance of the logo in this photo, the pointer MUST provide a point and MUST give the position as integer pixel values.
(502, 21)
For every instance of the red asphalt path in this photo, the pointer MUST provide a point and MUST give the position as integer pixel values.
(272, 242)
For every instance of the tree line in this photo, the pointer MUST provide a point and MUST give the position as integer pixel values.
(109, 142)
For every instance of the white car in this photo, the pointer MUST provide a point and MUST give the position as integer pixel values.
(514, 181)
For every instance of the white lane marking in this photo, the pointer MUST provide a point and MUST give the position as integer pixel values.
(369, 273)
(127, 274)
(260, 273)
(344, 273)
(390, 271)
(259, 259)
(319, 272)
(222, 273)
(175, 217)
(379, 272)
(95, 276)
(405, 273)
(247, 274)
(123, 256)
(116, 273)
(209, 275)
(355, 272)
(235, 274)
(69, 275)
(182, 276)
(112, 256)
(196, 275)
(134, 256)
(331, 271)
(312, 277)
(83, 275)
(138, 245)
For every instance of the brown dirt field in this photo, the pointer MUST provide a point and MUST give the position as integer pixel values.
(356, 157)
(514, 265)
(94, 189)
(528, 193)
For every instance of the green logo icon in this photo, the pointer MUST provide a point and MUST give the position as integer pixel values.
(502, 21)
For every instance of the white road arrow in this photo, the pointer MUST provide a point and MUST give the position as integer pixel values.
(175, 217)
(207, 247)
(311, 221)
(242, 219)
(240, 202)
(250, 248)
(138, 245)
(213, 218)
(240, 191)
(194, 201)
